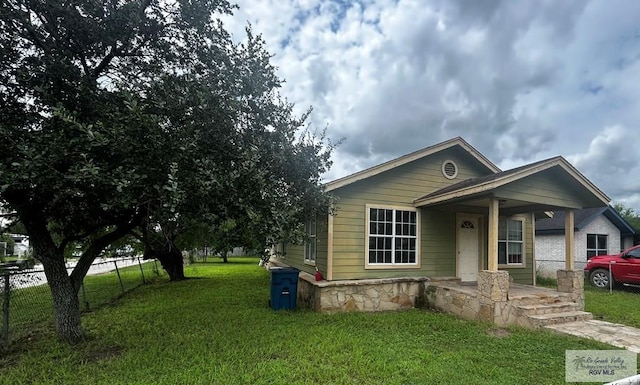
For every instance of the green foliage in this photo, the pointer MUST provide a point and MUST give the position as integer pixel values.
(181, 334)
(629, 214)
(146, 114)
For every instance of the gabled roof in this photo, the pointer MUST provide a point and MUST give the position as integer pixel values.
(488, 183)
(582, 218)
(375, 170)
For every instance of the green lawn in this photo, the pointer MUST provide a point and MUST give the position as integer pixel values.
(218, 329)
(31, 307)
(619, 306)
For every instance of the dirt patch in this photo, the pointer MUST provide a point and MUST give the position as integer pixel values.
(499, 332)
(101, 353)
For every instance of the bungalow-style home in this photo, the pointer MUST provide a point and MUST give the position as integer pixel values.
(597, 231)
(442, 227)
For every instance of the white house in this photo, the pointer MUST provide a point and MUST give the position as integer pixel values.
(597, 231)
(21, 246)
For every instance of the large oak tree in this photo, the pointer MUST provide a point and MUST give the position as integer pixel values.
(143, 118)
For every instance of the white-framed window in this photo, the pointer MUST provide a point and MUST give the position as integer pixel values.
(392, 237)
(511, 241)
(280, 250)
(310, 242)
(597, 245)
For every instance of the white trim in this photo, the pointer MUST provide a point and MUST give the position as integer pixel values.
(381, 266)
(455, 169)
(523, 220)
(525, 172)
(479, 219)
(375, 170)
(329, 247)
(311, 231)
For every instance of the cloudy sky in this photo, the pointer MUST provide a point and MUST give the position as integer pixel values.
(519, 80)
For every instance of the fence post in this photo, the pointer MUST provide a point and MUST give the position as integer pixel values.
(5, 308)
(611, 277)
(119, 279)
(141, 270)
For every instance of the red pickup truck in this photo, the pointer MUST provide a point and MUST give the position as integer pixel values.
(625, 268)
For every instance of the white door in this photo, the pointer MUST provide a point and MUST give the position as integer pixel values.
(468, 248)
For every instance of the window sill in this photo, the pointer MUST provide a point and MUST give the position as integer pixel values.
(391, 267)
(522, 266)
(310, 263)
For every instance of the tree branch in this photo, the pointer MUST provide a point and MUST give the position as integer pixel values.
(96, 247)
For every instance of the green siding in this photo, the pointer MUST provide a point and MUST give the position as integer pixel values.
(400, 187)
(543, 188)
(294, 256)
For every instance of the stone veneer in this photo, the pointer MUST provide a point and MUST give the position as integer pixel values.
(360, 295)
(493, 300)
(572, 281)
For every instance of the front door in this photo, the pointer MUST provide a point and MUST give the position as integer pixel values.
(468, 247)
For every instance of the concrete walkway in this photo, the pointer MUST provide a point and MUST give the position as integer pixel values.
(617, 335)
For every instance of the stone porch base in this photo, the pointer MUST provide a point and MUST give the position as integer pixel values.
(492, 298)
(360, 295)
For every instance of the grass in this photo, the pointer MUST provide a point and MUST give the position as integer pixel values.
(218, 329)
(32, 308)
(619, 306)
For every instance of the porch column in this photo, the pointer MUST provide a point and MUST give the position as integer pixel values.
(568, 239)
(492, 264)
(570, 280)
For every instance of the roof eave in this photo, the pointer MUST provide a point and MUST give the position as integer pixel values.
(375, 170)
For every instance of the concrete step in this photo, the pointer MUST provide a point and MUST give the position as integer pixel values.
(541, 299)
(540, 320)
(539, 309)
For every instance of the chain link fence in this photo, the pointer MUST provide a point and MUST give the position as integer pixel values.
(615, 277)
(26, 298)
(606, 278)
(547, 268)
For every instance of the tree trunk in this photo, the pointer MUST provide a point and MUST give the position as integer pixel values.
(224, 257)
(65, 300)
(66, 308)
(170, 258)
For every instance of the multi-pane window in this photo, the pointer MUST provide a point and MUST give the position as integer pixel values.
(510, 242)
(596, 245)
(393, 236)
(310, 244)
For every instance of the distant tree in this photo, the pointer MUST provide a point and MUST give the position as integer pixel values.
(140, 118)
(631, 216)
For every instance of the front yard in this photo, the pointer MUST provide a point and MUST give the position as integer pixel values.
(218, 329)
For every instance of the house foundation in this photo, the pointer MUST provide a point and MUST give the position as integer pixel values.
(360, 295)
(492, 299)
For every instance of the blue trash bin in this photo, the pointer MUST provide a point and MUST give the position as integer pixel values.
(284, 287)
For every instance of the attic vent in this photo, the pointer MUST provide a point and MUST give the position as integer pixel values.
(449, 169)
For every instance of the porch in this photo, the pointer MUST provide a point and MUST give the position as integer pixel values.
(492, 298)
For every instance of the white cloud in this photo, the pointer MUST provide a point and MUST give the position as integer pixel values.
(521, 81)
